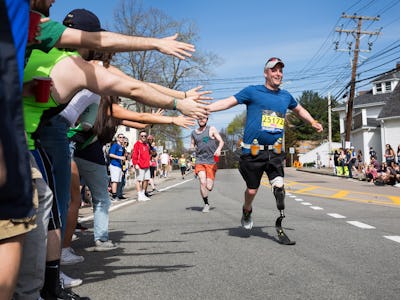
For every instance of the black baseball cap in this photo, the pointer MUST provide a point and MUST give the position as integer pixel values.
(83, 19)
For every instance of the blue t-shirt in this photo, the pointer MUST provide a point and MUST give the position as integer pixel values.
(18, 13)
(266, 110)
(116, 149)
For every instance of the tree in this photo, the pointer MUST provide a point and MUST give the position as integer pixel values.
(132, 18)
(236, 126)
(296, 129)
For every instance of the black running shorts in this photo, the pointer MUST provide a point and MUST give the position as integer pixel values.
(252, 167)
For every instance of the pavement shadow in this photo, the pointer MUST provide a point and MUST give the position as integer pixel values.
(244, 233)
(198, 208)
(101, 266)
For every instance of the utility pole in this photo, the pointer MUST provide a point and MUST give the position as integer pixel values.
(330, 128)
(357, 35)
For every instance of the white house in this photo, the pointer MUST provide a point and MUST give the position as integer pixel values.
(376, 116)
(324, 152)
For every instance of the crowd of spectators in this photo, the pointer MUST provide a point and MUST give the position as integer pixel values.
(352, 164)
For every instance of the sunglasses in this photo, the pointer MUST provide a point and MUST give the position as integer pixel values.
(143, 135)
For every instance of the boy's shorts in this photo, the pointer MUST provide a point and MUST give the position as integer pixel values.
(14, 227)
(115, 173)
(142, 174)
(209, 169)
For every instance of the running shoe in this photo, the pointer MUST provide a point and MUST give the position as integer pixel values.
(206, 208)
(247, 221)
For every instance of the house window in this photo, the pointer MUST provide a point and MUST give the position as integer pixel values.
(388, 86)
(379, 87)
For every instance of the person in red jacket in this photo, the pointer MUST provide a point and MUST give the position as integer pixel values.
(141, 163)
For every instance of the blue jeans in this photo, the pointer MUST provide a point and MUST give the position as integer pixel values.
(96, 179)
(54, 140)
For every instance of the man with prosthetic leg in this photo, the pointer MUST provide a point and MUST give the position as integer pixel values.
(278, 189)
(266, 107)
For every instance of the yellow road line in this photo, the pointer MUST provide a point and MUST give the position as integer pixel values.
(341, 194)
(318, 191)
(395, 199)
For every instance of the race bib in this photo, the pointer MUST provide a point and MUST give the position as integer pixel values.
(272, 121)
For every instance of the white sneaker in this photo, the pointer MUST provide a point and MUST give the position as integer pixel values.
(104, 246)
(74, 237)
(70, 282)
(143, 197)
(68, 257)
(206, 208)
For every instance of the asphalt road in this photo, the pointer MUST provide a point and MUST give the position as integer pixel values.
(169, 249)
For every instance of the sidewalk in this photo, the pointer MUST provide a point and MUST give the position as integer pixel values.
(86, 213)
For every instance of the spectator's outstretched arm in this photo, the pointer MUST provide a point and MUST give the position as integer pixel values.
(194, 92)
(115, 42)
(84, 75)
(132, 116)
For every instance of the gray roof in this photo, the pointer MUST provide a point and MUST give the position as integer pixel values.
(393, 74)
(392, 106)
(369, 98)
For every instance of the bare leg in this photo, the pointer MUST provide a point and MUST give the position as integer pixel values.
(53, 245)
(10, 251)
(209, 184)
(144, 185)
(74, 206)
(114, 187)
(138, 186)
(151, 181)
(249, 195)
(203, 184)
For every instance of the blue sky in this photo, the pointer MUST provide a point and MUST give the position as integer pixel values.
(300, 32)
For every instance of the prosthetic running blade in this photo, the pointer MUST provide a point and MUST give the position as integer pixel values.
(283, 238)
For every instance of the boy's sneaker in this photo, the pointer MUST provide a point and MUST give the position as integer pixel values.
(206, 208)
(247, 221)
(70, 282)
(104, 246)
(68, 257)
(143, 197)
(61, 293)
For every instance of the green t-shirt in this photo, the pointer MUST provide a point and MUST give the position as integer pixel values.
(39, 64)
(50, 33)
